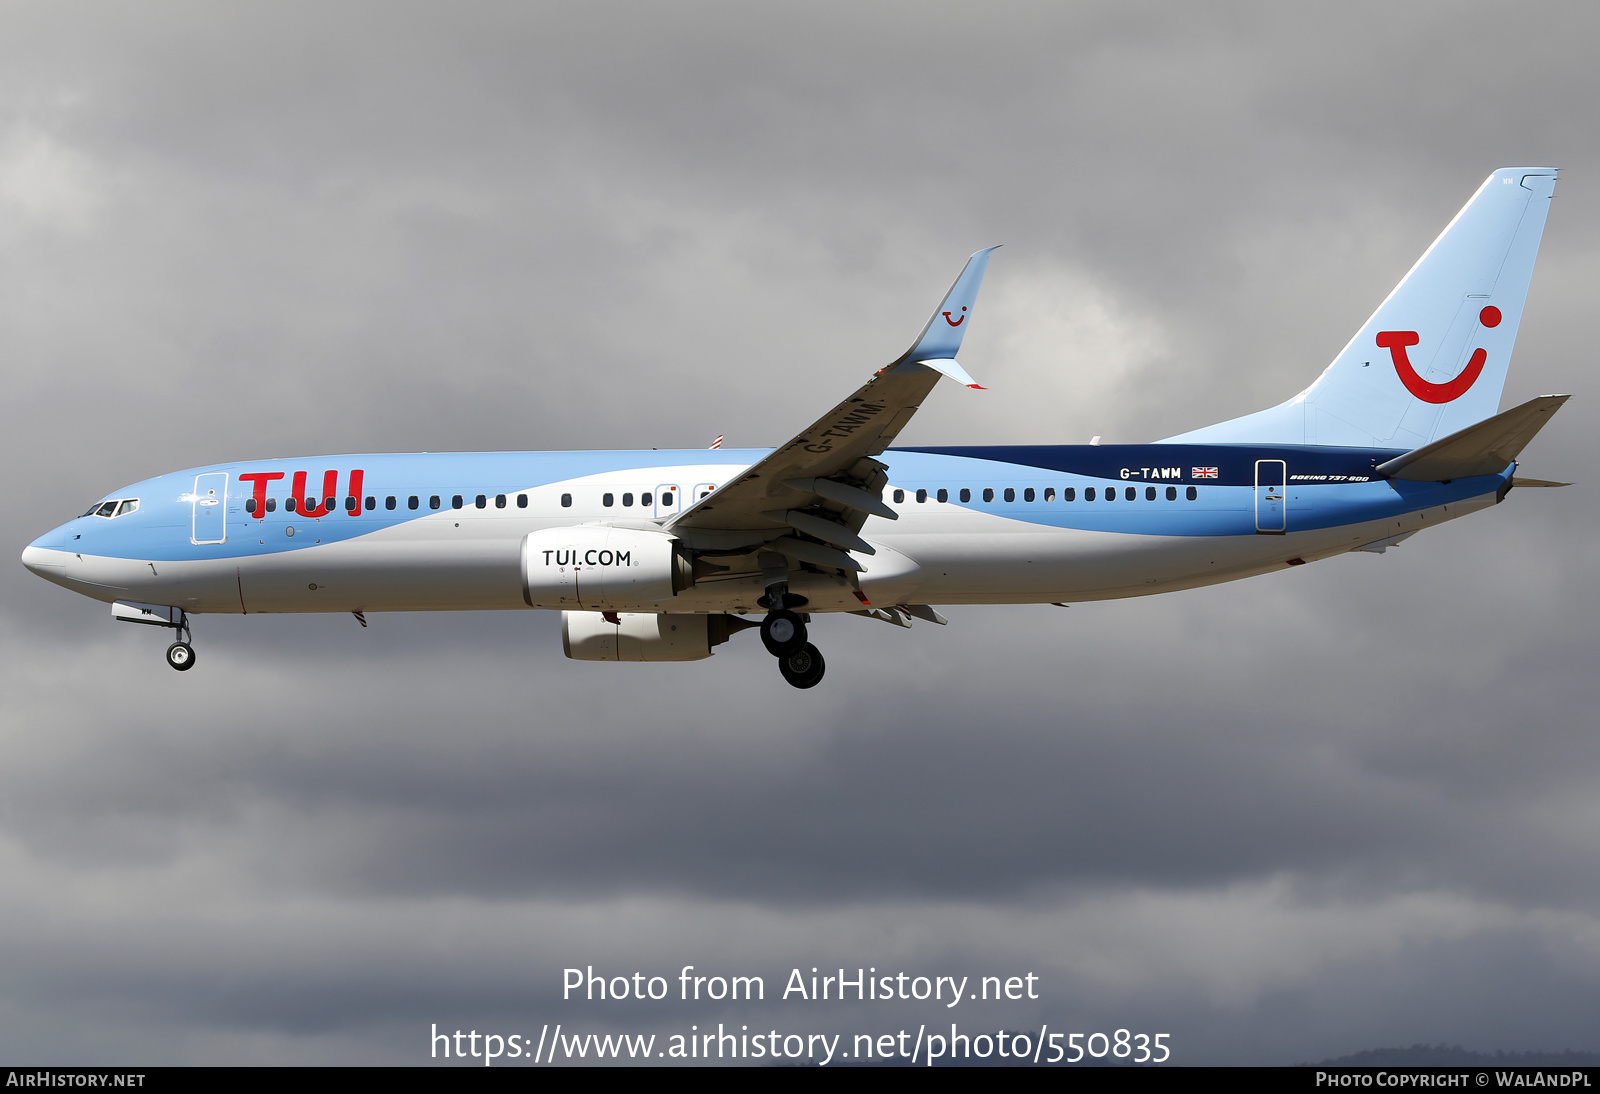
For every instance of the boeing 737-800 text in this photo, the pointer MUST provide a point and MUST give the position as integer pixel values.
(660, 556)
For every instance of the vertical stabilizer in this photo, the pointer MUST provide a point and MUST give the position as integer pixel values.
(1433, 358)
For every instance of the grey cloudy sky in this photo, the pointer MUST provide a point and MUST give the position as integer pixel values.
(1286, 819)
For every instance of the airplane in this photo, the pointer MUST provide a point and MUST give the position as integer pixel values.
(663, 555)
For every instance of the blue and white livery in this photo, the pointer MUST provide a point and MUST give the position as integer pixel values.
(661, 556)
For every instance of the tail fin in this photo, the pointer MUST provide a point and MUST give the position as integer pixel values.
(1432, 359)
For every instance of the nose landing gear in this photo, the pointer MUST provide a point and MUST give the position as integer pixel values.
(180, 655)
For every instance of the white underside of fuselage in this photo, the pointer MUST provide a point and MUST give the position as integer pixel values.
(444, 563)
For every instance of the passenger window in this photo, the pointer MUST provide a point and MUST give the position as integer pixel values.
(389, 502)
(988, 493)
(966, 495)
(943, 494)
(666, 499)
(644, 499)
(372, 503)
(499, 501)
(1111, 493)
(922, 496)
(329, 504)
(1049, 493)
(433, 501)
(1069, 493)
(455, 500)
(1011, 495)
(272, 505)
(1172, 493)
(1088, 493)
(289, 504)
(1131, 492)
(481, 501)
(627, 500)
(566, 501)
(899, 496)
(1149, 493)
(1027, 495)
(413, 502)
(1191, 493)
(351, 504)
(249, 505)
(522, 501)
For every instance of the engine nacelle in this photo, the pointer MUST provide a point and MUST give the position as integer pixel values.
(596, 568)
(635, 636)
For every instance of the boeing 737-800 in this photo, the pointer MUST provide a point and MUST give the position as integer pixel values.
(661, 556)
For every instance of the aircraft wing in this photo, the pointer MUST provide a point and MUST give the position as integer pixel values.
(812, 494)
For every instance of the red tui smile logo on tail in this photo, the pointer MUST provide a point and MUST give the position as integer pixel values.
(1396, 341)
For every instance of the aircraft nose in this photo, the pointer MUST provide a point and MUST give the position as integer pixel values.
(45, 555)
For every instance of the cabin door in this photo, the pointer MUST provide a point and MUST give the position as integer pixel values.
(210, 507)
(1271, 497)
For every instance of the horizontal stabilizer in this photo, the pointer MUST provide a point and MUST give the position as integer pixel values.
(1487, 448)
(1517, 481)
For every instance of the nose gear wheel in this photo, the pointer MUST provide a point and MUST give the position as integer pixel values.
(180, 655)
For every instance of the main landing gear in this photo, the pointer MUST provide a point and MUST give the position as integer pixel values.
(804, 667)
(783, 632)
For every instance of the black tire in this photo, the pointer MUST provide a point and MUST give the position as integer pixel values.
(804, 667)
(180, 655)
(782, 632)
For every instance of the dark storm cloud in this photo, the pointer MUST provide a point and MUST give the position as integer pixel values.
(1287, 818)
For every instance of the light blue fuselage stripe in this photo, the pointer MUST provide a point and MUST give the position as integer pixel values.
(160, 530)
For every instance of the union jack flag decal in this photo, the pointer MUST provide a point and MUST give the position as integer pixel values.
(1202, 472)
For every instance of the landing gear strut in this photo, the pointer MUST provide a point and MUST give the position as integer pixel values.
(783, 631)
(180, 655)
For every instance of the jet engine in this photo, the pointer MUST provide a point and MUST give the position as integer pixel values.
(635, 636)
(645, 636)
(597, 568)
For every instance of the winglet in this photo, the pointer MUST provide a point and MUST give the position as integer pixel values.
(941, 338)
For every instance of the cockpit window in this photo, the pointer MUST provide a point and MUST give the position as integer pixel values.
(117, 507)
